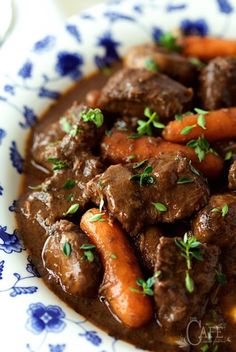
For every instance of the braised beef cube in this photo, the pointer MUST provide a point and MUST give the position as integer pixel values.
(130, 91)
(175, 304)
(152, 57)
(131, 190)
(53, 198)
(146, 243)
(218, 83)
(216, 223)
(77, 270)
(69, 135)
(232, 176)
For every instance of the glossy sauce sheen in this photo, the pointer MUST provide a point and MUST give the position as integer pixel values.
(150, 337)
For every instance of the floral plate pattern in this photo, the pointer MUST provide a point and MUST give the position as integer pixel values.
(32, 318)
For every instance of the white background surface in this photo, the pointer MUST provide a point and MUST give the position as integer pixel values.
(31, 20)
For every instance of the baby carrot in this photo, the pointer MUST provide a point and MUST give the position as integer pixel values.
(219, 125)
(207, 48)
(118, 148)
(122, 270)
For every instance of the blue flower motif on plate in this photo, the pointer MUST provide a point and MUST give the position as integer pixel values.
(56, 348)
(68, 64)
(30, 267)
(1, 190)
(92, 337)
(8, 88)
(12, 207)
(16, 158)
(45, 44)
(74, 31)
(194, 27)
(156, 34)
(115, 16)
(2, 134)
(175, 7)
(45, 318)
(26, 70)
(9, 242)
(46, 93)
(111, 54)
(225, 6)
(30, 117)
(2, 262)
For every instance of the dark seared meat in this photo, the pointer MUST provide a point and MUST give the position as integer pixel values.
(212, 226)
(53, 199)
(132, 204)
(54, 142)
(218, 83)
(66, 261)
(171, 63)
(232, 176)
(175, 305)
(129, 91)
(146, 243)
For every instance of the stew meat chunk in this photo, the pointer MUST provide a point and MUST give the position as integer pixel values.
(218, 83)
(66, 259)
(65, 137)
(216, 223)
(146, 243)
(171, 63)
(175, 305)
(53, 198)
(132, 193)
(129, 91)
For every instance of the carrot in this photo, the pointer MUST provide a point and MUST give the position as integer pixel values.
(207, 48)
(118, 148)
(219, 125)
(122, 270)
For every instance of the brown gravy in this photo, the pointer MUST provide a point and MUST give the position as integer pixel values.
(151, 337)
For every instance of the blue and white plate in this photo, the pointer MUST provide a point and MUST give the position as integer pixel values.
(31, 317)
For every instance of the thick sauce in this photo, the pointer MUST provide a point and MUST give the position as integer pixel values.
(150, 337)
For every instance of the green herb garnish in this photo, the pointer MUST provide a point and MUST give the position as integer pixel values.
(65, 125)
(113, 256)
(169, 41)
(69, 184)
(146, 286)
(189, 247)
(72, 209)
(73, 130)
(145, 127)
(160, 207)
(93, 115)
(139, 164)
(183, 180)
(221, 278)
(196, 62)
(224, 210)
(70, 197)
(228, 155)
(187, 129)
(201, 117)
(88, 254)
(151, 65)
(97, 217)
(131, 156)
(145, 178)
(201, 147)
(58, 164)
(67, 249)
